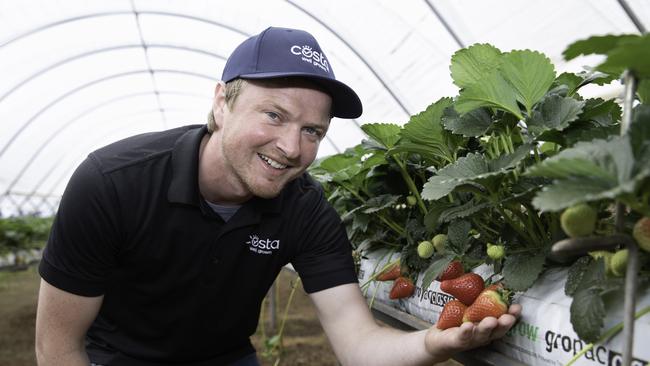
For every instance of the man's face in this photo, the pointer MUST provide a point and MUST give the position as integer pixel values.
(270, 135)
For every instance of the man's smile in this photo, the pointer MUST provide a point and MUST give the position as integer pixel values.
(272, 163)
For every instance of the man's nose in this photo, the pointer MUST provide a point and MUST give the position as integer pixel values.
(289, 143)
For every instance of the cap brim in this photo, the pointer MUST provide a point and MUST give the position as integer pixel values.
(345, 102)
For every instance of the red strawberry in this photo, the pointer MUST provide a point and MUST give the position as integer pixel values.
(465, 288)
(452, 315)
(491, 302)
(453, 270)
(403, 287)
(390, 273)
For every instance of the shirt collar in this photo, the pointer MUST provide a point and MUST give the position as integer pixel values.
(184, 186)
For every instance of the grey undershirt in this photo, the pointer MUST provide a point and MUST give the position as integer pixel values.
(226, 212)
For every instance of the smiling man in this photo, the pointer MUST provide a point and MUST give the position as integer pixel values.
(166, 243)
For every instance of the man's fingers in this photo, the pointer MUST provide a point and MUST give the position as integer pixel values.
(515, 309)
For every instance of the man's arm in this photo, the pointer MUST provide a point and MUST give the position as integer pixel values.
(62, 320)
(358, 340)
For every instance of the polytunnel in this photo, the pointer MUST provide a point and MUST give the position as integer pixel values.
(77, 75)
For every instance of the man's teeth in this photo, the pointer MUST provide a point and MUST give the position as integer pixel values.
(272, 162)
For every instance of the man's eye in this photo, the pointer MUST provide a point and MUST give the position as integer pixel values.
(313, 131)
(273, 115)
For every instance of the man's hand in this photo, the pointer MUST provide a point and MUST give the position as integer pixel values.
(442, 344)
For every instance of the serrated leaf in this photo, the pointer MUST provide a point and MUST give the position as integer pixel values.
(425, 129)
(602, 112)
(491, 91)
(473, 168)
(452, 176)
(386, 134)
(554, 113)
(575, 275)
(467, 209)
(530, 73)
(508, 161)
(521, 270)
(472, 124)
(587, 313)
(589, 171)
(378, 203)
(594, 45)
(470, 64)
(571, 80)
(458, 236)
(435, 269)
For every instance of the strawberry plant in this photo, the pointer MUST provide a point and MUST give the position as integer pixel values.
(517, 163)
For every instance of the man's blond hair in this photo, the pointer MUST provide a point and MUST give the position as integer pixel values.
(231, 91)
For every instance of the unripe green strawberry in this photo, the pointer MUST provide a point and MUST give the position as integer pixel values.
(440, 242)
(606, 256)
(619, 263)
(411, 200)
(641, 233)
(578, 220)
(425, 249)
(496, 252)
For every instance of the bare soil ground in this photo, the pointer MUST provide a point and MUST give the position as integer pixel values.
(304, 342)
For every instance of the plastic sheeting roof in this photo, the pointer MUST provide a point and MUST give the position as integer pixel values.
(76, 75)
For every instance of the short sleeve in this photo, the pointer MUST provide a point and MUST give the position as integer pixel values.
(324, 259)
(82, 248)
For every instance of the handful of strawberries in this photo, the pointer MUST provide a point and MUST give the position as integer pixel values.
(473, 301)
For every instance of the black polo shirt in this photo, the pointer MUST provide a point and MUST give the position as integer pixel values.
(180, 285)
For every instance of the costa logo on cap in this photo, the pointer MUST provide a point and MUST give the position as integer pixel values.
(265, 56)
(313, 57)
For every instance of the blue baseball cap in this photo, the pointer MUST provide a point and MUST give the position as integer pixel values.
(285, 52)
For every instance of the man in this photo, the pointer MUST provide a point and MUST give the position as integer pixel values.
(166, 243)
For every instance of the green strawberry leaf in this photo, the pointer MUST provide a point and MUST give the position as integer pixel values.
(589, 171)
(493, 90)
(631, 54)
(458, 236)
(470, 64)
(381, 202)
(453, 175)
(587, 313)
(575, 275)
(521, 270)
(595, 45)
(340, 167)
(467, 209)
(530, 73)
(602, 112)
(553, 113)
(473, 169)
(435, 269)
(386, 134)
(472, 124)
(424, 134)
(571, 80)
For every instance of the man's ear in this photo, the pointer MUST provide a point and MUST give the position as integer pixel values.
(219, 102)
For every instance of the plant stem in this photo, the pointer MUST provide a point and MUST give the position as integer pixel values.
(286, 309)
(411, 185)
(608, 334)
(514, 225)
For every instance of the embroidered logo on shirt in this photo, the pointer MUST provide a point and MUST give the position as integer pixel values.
(262, 246)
